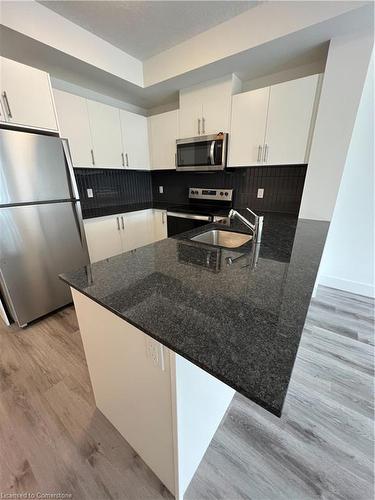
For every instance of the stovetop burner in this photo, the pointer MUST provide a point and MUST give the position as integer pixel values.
(200, 209)
(207, 201)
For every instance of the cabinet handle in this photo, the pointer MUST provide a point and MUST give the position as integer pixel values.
(118, 223)
(259, 153)
(127, 159)
(265, 157)
(203, 125)
(199, 126)
(122, 222)
(6, 102)
(175, 159)
(92, 157)
(122, 159)
(163, 218)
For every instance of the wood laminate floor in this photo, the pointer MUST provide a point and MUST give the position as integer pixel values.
(53, 440)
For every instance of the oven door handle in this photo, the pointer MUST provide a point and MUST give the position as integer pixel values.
(180, 215)
(212, 151)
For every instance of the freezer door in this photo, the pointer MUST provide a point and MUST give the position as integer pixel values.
(32, 168)
(38, 242)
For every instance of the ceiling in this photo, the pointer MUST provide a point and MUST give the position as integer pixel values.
(144, 29)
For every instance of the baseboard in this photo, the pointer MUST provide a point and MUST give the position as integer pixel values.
(357, 287)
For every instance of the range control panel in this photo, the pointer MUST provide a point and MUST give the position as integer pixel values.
(211, 194)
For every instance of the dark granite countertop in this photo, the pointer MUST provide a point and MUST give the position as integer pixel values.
(237, 314)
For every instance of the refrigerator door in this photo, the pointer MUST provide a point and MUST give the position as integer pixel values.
(33, 168)
(38, 242)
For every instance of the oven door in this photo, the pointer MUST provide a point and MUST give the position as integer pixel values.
(181, 222)
(204, 153)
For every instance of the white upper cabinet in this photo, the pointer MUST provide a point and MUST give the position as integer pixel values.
(105, 134)
(163, 132)
(74, 125)
(134, 140)
(26, 96)
(190, 115)
(289, 120)
(273, 125)
(205, 109)
(248, 127)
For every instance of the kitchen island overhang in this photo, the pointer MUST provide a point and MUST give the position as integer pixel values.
(232, 326)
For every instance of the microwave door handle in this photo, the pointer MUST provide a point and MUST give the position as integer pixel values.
(212, 151)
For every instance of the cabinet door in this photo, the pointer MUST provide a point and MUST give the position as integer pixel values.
(135, 140)
(28, 97)
(106, 135)
(248, 128)
(216, 105)
(215, 115)
(74, 125)
(290, 113)
(159, 225)
(190, 115)
(163, 132)
(138, 229)
(103, 237)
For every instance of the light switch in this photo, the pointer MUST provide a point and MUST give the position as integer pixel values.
(260, 193)
(90, 193)
(161, 189)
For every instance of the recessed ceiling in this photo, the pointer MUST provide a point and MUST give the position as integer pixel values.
(143, 29)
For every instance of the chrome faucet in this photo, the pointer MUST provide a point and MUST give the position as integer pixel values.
(256, 227)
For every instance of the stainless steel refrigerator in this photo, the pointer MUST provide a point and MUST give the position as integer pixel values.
(41, 230)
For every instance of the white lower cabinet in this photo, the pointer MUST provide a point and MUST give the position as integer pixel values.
(137, 229)
(103, 235)
(114, 234)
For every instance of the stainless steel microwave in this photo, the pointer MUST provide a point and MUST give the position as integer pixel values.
(204, 153)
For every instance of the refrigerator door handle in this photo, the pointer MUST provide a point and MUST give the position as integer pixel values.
(75, 195)
(73, 188)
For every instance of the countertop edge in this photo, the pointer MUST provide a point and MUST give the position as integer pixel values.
(274, 411)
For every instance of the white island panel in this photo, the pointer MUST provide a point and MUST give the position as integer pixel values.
(166, 407)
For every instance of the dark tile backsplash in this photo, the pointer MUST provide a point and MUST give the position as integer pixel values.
(282, 186)
(113, 187)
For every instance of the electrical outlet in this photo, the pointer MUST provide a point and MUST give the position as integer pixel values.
(155, 352)
(260, 193)
(90, 193)
(161, 189)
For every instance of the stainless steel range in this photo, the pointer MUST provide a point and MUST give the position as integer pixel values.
(206, 205)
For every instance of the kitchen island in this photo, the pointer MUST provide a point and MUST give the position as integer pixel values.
(172, 329)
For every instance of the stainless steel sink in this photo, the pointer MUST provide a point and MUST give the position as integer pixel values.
(227, 239)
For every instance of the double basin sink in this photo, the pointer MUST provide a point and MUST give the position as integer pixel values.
(226, 239)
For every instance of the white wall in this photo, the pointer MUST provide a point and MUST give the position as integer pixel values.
(241, 33)
(348, 258)
(42, 24)
(284, 76)
(95, 96)
(345, 73)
